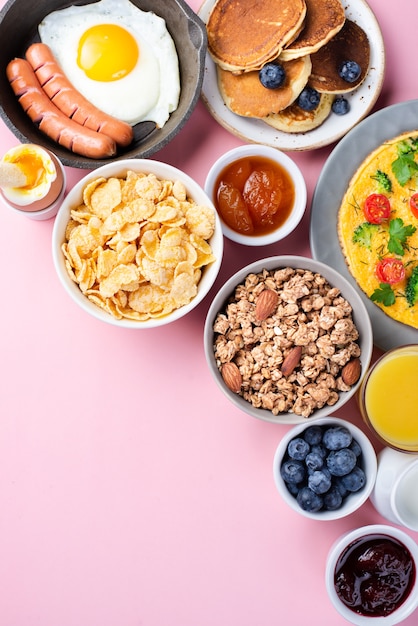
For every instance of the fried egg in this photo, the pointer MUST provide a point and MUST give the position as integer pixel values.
(120, 58)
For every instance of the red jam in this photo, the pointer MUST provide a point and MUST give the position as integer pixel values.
(374, 575)
(254, 195)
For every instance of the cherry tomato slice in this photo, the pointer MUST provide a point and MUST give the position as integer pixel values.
(376, 208)
(233, 209)
(413, 204)
(390, 270)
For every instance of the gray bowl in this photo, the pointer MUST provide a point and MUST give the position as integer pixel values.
(360, 317)
(19, 21)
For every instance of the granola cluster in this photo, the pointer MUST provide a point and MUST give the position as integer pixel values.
(310, 314)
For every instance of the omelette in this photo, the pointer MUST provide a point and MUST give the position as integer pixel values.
(378, 227)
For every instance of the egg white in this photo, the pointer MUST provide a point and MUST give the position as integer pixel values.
(150, 92)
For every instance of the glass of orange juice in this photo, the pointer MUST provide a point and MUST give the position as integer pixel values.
(388, 398)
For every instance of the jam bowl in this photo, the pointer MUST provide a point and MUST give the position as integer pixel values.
(371, 575)
(259, 193)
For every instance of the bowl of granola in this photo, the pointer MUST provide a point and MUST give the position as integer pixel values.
(288, 338)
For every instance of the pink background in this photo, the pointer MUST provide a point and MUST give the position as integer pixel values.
(131, 492)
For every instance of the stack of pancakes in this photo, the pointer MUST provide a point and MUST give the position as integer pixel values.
(309, 38)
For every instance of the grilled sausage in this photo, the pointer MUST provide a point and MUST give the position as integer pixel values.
(70, 101)
(51, 120)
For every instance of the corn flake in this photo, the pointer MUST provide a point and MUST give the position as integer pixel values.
(106, 197)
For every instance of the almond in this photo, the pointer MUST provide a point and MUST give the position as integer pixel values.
(232, 376)
(266, 304)
(351, 372)
(291, 360)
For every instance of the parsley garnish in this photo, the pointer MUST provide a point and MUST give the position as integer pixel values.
(384, 294)
(405, 166)
(398, 235)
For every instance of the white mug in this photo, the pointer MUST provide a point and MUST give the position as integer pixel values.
(395, 494)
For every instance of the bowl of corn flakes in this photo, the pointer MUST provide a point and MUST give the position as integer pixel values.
(137, 243)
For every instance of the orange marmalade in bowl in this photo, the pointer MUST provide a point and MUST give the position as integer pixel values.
(254, 195)
(259, 193)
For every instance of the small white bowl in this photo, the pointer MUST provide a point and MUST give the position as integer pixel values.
(410, 603)
(360, 317)
(119, 169)
(367, 462)
(299, 205)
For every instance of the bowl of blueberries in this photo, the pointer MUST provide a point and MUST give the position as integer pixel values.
(325, 470)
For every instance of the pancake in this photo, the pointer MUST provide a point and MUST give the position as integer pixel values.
(323, 20)
(364, 245)
(244, 94)
(243, 35)
(349, 44)
(293, 119)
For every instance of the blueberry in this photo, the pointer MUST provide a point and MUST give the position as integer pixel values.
(308, 99)
(337, 482)
(293, 488)
(349, 71)
(314, 461)
(298, 448)
(333, 499)
(341, 462)
(337, 437)
(320, 481)
(313, 435)
(356, 448)
(355, 480)
(293, 471)
(309, 501)
(340, 105)
(272, 75)
(319, 449)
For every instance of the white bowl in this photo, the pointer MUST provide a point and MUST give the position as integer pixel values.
(367, 462)
(360, 317)
(292, 169)
(410, 603)
(119, 169)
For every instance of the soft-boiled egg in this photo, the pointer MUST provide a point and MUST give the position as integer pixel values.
(119, 57)
(37, 170)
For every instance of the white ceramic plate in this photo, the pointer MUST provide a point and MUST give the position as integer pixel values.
(330, 189)
(336, 126)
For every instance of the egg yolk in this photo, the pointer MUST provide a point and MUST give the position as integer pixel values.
(33, 168)
(107, 52)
